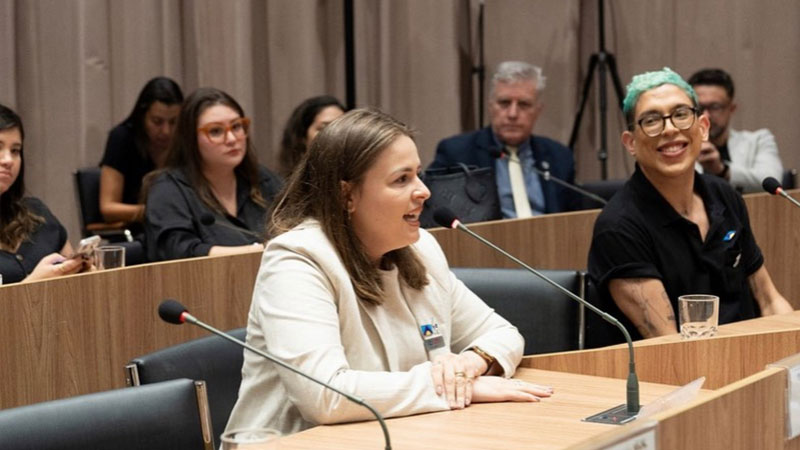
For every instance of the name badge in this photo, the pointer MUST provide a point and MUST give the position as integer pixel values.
(431, 336)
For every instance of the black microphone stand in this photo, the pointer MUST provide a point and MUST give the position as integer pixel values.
(602, 61)
(617, 415)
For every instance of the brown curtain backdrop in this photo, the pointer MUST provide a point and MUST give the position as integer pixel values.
(73, 68)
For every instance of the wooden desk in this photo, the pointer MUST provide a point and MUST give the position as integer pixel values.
(739, 350)
(552, 423)
(73, 335)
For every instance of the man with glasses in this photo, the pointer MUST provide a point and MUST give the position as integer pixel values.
(671, 231)
(744, 158)
(509, 147)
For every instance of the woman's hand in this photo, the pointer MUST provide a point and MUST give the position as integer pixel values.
(55, 265)
(498, 389)
(453, 374)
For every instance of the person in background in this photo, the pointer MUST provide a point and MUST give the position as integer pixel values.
(351, 291)
(212, 196)
(33, 243)
(135, 147)
(744, 158)
(514, 107)
(671, 231)
(307, 119)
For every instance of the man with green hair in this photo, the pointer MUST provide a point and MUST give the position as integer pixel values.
(671, 231)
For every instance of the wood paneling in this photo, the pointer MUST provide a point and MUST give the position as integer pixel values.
(73, 335)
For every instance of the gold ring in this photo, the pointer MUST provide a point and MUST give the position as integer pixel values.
(460, 374)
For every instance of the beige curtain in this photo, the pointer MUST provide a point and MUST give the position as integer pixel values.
(73, 68)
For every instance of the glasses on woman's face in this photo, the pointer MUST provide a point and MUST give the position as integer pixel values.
(682, 118)
(216, 132)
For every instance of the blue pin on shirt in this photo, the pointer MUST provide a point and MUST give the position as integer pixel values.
(728, 236)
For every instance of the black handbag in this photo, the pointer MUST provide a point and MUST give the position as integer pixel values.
(470, 192)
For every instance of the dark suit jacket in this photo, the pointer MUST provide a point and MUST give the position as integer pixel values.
(474, 149)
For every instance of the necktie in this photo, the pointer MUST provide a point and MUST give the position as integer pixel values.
(521, 203)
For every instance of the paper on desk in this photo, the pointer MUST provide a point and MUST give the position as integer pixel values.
(678, 397)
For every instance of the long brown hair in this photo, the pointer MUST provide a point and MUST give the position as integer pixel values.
(184, 152)
(17, 222)
(343, 152)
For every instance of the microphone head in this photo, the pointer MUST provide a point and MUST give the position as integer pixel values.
(771, 185)
(207, 219)
(444, 217)
(496, 152)
(171, 311)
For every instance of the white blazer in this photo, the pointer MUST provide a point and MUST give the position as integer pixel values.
(305, 312)
(754, 156)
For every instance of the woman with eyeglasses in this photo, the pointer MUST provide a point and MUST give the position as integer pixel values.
(33, 243)
(212, 196)
(135, 147)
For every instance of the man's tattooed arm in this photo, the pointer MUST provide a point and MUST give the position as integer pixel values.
(645, 302)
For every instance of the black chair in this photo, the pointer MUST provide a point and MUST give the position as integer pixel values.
(164, 416)
(87, 189)
(603, 188)
(547, 319)
(212, 359)
(789, 180)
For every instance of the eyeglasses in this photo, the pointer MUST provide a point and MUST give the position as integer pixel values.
(713, 108)
(682, 118)
(216, 132)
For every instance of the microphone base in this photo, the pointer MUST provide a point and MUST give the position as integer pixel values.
(617, 415)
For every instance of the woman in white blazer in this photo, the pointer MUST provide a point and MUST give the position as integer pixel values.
(353, 292)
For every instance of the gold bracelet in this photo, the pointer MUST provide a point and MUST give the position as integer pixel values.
(485, 356)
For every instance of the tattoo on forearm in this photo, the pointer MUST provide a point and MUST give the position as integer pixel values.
(651, 317)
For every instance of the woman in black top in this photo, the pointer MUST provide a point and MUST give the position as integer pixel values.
(32, 241)
(308, 119)
(212, 196)
(137, 146)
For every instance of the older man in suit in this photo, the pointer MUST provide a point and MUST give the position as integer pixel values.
(509, 147)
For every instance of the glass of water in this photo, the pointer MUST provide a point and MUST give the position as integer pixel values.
(251, 439)
(699, 315)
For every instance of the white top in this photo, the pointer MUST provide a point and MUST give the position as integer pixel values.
(305, 312)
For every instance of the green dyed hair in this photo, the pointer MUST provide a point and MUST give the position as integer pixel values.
(649, 80)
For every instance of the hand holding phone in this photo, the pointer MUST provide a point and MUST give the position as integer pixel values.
(86, 247)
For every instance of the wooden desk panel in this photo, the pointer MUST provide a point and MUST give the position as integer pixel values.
(739, 350)
(73, 335)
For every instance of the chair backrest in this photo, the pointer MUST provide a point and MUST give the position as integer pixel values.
(87, 189)
(789, 180)
(604, 188)
(159, 416)
(212, 359)
(547, 319)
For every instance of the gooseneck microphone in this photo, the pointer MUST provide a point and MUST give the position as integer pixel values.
(544, 172)
(173, 312)
(774, 187)
(208, 220)
(448, 219)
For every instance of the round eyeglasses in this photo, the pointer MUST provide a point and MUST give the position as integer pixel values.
(682, 118)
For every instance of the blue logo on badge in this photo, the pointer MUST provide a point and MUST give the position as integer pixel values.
(728, 236)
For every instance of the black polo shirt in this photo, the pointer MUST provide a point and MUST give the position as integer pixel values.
(639, 235)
